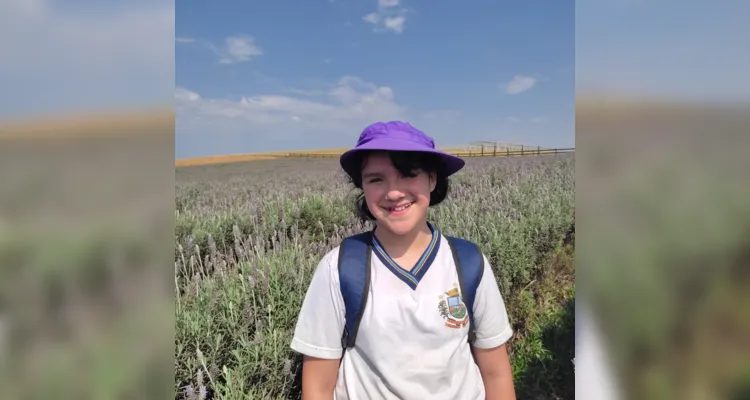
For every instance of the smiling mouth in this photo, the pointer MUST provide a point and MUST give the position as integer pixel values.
(399, 208)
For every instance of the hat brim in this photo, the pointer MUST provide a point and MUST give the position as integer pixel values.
(452, 163)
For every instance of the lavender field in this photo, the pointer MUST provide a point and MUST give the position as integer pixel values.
(249, 236)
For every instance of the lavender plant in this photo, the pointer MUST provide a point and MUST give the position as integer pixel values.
(249, 236)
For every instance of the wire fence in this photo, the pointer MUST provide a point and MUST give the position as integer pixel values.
(477, 151)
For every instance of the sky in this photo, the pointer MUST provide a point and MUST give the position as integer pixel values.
(287, 75)
(81, 56)
(339, 65)
(685, 50)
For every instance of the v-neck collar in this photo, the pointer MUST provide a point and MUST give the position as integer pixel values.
(413, 277)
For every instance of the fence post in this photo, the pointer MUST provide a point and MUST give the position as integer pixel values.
(482, 150)
(521, 149)
(494, 150)
(538, 150)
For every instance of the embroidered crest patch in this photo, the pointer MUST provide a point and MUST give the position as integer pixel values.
(452, 308)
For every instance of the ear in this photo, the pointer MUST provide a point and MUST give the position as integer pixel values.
(433, 181)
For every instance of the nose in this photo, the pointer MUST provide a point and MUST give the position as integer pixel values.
(394, 192)
(395, 195)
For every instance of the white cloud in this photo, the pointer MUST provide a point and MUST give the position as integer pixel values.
(514, 119)
(520, 84)
(184, 95)
(388, 17)
(84, 61)
(372, 18)
(387, 3)
(347, 106)
(395, 24)
(237, 49)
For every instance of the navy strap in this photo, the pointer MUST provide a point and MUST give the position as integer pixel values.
(470, 267)
(354, 280)
(354, 263)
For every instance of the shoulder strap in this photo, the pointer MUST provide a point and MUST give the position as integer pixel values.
(470, 266)
(354, 280)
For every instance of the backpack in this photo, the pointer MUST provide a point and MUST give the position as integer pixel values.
(354, 276)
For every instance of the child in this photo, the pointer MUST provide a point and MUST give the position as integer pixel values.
(412, 336)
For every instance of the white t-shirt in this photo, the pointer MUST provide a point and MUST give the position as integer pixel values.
(408, 345)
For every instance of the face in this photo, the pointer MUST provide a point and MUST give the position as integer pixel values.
(398, 203)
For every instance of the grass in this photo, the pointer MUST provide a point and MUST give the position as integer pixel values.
(249, 236)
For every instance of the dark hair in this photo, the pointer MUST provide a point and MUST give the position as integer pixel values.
(407, 163)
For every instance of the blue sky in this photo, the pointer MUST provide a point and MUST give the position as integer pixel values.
(446, 71)
(687, 50)
(260, 76)
(83, 56)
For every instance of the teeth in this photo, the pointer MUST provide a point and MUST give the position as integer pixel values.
(401, 208)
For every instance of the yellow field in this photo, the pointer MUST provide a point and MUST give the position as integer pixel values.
(333, 153)
(101, 124)
(189, 162)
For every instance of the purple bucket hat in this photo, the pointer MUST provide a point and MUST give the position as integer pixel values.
(398, 136)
